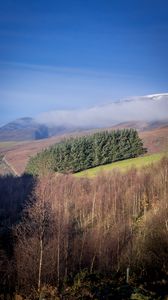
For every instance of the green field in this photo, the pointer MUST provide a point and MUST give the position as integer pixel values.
(123, 165)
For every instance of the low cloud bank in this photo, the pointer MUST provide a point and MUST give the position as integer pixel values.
(146, 108)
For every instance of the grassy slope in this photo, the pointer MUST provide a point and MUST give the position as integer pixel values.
(123, 165)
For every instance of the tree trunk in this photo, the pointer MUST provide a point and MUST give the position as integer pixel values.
(40, 264)
(58, 259)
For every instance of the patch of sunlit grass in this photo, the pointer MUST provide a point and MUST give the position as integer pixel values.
(123, 165)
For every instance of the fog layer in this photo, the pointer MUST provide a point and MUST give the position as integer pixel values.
(146, 108)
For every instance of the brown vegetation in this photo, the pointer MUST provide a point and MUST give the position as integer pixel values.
(155, 140)
(104, 225)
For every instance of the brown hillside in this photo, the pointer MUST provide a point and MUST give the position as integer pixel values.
(17, 155)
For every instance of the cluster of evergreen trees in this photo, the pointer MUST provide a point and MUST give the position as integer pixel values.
(85, 152)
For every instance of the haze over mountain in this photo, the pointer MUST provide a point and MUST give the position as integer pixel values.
(145, 108)
(140, 112)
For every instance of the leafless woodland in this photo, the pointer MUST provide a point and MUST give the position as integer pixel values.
(57, 225)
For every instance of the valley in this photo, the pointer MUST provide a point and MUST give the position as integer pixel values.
(84, 150)
(86, 226)
(81, 208)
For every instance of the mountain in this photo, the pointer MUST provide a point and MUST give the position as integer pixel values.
(142, 113)
(25, 129)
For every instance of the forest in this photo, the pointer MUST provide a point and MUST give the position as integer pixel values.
(81, 153)
(69, 238)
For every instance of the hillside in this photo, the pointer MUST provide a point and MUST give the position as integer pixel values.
(122, 166)
(82, 153)
(17, 154)
(93, 238)
(142, 125)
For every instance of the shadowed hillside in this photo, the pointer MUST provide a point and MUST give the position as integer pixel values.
(14, 194)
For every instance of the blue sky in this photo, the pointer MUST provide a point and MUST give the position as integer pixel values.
(72, 54)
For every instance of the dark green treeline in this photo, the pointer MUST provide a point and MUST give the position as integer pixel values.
(81, 153)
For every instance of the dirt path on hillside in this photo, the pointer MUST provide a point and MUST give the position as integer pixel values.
(10, 167)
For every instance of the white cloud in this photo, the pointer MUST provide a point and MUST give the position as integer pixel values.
(146, 108)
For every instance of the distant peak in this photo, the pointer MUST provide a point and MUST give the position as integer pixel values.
(24, 119)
